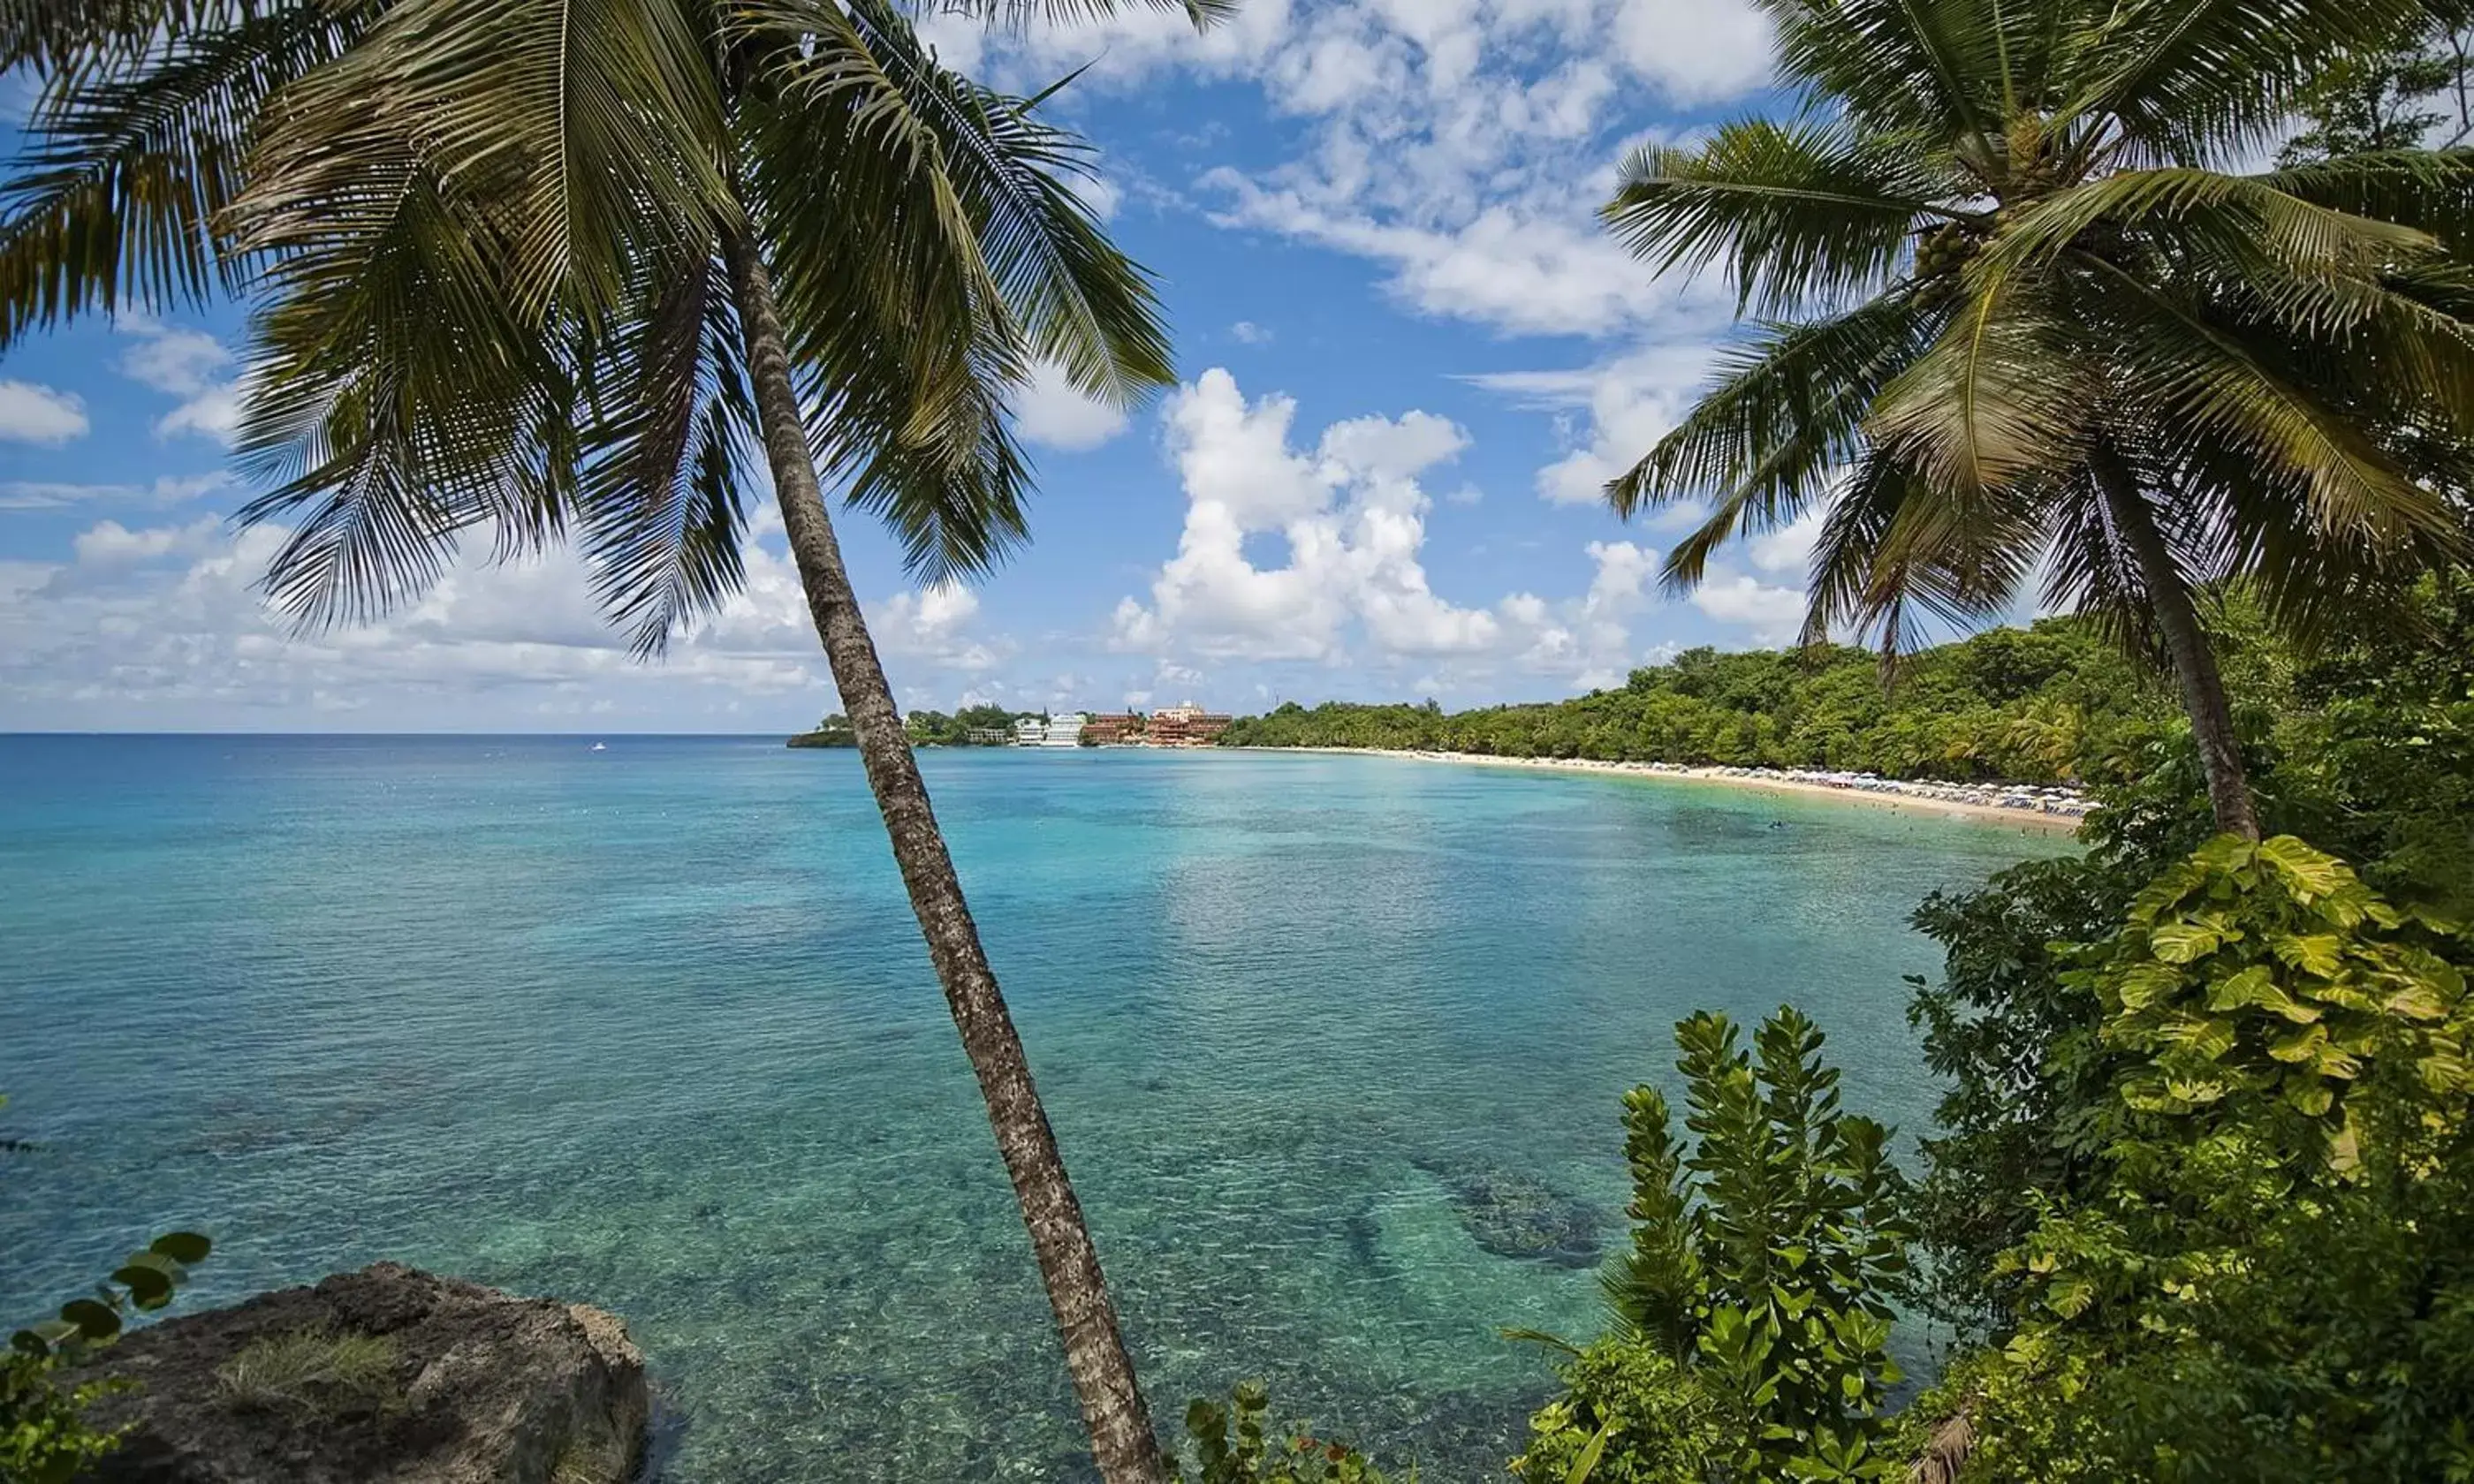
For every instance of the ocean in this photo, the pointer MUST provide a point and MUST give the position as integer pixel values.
(650, 1027)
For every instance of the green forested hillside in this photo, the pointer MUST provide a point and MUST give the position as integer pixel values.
(2051, 704)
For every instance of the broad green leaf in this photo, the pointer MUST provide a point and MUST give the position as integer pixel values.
(183, 1247)
(1591, 1451)
(2313, 873)
(2180, 943)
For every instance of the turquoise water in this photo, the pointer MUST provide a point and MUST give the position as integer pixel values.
(651, 1027)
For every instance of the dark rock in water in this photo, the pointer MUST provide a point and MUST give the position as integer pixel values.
(1364, 1239)
(1515, 1215)
(385, 1375)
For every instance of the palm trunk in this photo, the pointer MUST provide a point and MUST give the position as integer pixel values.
(2186, 646)
(1122, 1440)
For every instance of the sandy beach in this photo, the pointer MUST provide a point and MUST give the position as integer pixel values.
(2055, 811)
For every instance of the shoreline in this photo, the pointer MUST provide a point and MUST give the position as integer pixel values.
(2059, 812)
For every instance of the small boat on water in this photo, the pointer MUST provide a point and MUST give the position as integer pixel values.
(601, 746)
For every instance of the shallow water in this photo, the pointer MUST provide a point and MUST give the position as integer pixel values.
(651, 1028)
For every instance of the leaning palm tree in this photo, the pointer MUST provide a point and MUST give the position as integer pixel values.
(552, 268)
(2026, 316)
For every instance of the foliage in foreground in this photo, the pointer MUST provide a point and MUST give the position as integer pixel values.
(1234, 1445)
(1751, 1315)
(2365, 749)
(44, 1435)
(2048, 704)
(2270, 1272)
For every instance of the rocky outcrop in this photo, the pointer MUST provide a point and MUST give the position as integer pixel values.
(385, 1375)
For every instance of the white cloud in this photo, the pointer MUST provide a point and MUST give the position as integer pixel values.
(1121, 49)
(1383, 448)
(1050, 411)
(1352, 515)
(1460, 143)
(931, 624)
(214, 413)
(1788, 549)
(1504, 267)
(1353, 588)
(1098, 191)
(1694, 51)
(1630, 402)
(146, 626)
(53, 495)
(1248, 333)
(1774, 614)
(111, 543)
(34, 414)
(190, 365)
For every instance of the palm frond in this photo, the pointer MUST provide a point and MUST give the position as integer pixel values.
(1785, 407)
(1895, 546)
(1081, 302)
(112, 200)
(663, 488)
(2000, 396)
(2304, 235)
(1801, 213)
(589, 129)
(1938, 66)
(2428, 191)
(924, 270)
(2186, 370)
(396, 395)
(1203, 13)
(2204, 81)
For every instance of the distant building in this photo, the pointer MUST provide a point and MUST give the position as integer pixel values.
(1112, 728)
(1186, 726)
(1029, 731)
(1065, 729)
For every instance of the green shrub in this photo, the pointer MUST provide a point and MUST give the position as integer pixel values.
(1753, 1298)
(1634, 1414)
(44, 1437)
(2273, 1279)
(1232, 1445)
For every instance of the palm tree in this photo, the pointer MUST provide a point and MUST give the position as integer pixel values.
(2025, 315)
(554, 268)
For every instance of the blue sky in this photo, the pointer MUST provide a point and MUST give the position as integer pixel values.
(1408, 359)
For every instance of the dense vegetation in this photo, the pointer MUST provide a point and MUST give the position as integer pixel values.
(2051, 704)
(973, 725)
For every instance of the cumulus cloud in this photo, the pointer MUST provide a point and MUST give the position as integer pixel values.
(1051, 412)
(1788, 549)
(1693, 51)
(1351, 512)
(1610, 414)
(191, 366)
(1353, 517)
(1246, 332)
(1772, 615)
(931, 626)
(34, 414)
